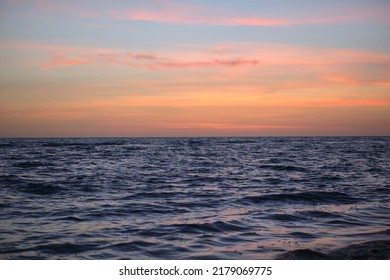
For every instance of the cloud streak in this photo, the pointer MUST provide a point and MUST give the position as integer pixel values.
(68, 57)
(233, 56)
(266, 68)
(194, 18)
(173, 12)
(144, 61)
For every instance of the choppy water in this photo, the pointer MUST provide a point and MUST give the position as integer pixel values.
(186, 198)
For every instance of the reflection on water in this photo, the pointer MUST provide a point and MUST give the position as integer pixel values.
(184, 198)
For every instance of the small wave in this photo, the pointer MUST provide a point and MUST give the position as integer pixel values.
(195, 142)
(239, 141)
(56, 249)
(80, 143)
(346, 222)
(199, 204)
(371, 250)
(303, 254)
(303, 235)
(283, 217)
(65, 248)
(331, 178)
(6, 145)
(319, 214)
(29, 164)
(206, 257)
(385, 189)
(134, 148)
(120, 143)
(282, 167)
(59, 144)
(153, 233)
(70, 218)
(39, 188)
(304, 197)
(214, 227)
(147, 195)
(130, 246)
(4, 205)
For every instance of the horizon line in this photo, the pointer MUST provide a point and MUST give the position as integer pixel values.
(247, 136)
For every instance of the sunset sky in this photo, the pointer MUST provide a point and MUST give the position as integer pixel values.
(194, 68)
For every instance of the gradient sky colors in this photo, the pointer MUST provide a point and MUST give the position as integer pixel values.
(194, 68)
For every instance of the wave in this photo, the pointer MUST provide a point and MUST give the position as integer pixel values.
(70, 218)
(283, 217)
(282, 167)
(215, 227)
(40, 188)
(319, 214)
(305, 197)
(56, 249)
(30, 186)
(59, 144)
(7, 145)
(130, 246)
(86, 143)
(371, 250)
(66, 248)
(29, 164)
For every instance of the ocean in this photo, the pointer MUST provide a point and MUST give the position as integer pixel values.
(192, 198)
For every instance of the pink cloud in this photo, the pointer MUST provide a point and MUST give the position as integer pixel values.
(171, 12)
(189, 17)
(142, 60)
(208, 63)
(165, 11)
(63, 61)
(292, 66)
(142, 56)
(68, 57)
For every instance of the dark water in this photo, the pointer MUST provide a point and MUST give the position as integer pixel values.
(189, 198)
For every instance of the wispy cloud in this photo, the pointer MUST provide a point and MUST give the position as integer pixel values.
(175, 12)
(232, 56)
(64, 61)
(241, 68)
(244, 62)
(67, 57)
(193, 17)
(172, 12)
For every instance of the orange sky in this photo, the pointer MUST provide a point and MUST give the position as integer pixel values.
(106, 73)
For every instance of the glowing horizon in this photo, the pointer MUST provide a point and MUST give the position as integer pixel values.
(194, 68)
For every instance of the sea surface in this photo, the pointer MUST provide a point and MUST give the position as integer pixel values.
(191, 198)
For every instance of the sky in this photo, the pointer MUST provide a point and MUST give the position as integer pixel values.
(115, 68)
